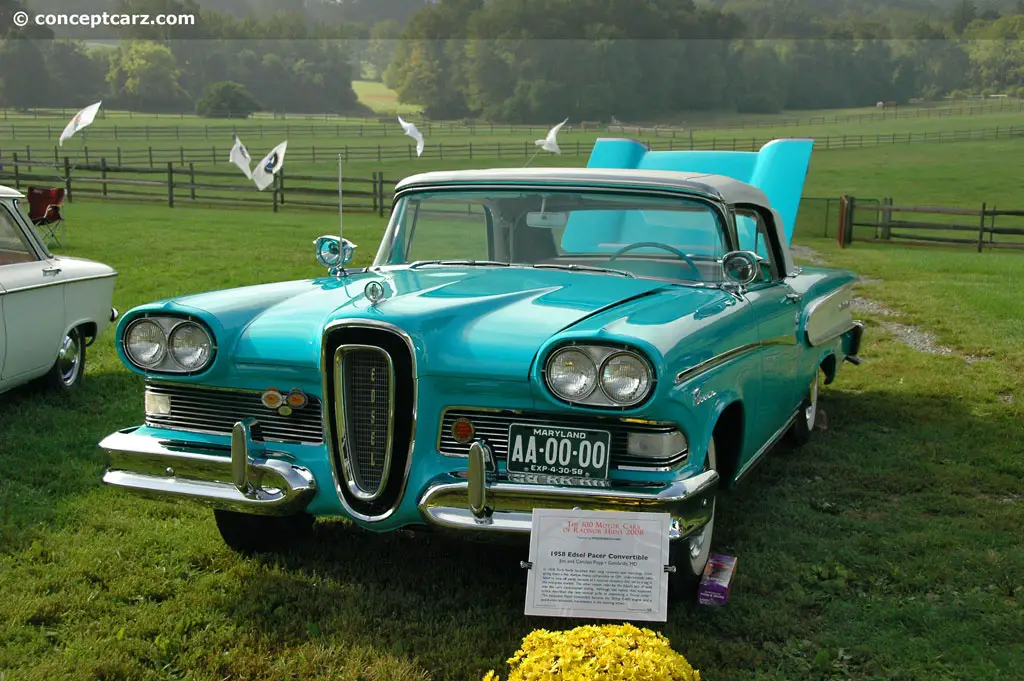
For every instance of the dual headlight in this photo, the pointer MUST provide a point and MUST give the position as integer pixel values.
(598, 376)
(168, 344)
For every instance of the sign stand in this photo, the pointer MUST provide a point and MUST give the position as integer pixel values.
(598, 565)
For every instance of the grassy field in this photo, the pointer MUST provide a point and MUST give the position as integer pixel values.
(381, 99)
(888, 548)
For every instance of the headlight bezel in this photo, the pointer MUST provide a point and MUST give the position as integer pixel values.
(600, 354)
(168, 363)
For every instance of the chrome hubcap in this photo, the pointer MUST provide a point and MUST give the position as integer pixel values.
(69, 359)
(811, 412)
(700, 545)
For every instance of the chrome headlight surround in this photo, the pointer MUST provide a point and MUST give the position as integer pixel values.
(600, 395)
(168, 362)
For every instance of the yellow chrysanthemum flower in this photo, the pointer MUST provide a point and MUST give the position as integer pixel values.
(597, 653)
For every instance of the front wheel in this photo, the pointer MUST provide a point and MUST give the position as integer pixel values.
(68, 371)
(690, 556)
(248, 533)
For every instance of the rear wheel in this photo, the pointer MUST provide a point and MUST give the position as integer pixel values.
(803, 426)
(248, 533)
(690, 556)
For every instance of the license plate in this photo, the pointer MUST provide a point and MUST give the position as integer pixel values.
(551, 450)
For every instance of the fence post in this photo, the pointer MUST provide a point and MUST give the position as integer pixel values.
(276, 196)
(67, 179)
(471, 151)
(314, 153)
(28, 153)
(119, 157)
(380, 210)
(170, 184)
(374, 192)
(103, 175)
(17, 179)
(151, 158)
(192, 180)
(56, 158)
(86, 150)
(182, 152)
(886, 218)
(280, 185)
(981, 228)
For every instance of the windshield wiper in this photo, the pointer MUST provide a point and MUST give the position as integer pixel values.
(466, 263)
(584, 268)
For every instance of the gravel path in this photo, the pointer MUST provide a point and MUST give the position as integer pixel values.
(909, 335)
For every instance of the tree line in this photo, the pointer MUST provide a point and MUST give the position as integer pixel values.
(529, 61)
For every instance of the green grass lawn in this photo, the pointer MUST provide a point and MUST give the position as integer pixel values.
(888, 548)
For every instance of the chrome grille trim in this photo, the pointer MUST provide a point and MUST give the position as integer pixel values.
(492, 426)
(214, 411)
(365, 416)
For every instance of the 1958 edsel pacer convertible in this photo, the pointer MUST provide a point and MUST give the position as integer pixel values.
(627, 336)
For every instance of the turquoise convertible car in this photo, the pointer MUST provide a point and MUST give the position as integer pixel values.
(632, 335)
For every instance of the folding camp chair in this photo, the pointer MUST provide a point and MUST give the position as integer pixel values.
(44, 210)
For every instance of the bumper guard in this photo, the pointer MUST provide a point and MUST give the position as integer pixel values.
(481, 502)
(252, 480)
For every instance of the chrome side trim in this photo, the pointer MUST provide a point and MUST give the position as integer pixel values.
(717, 360)
(349, 467)
(446, 503)
(369, 324)
(244, 477)
(61, 282)
(780, 340)
(772, 441)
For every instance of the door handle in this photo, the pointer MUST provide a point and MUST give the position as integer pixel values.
(793, 298)
(51, 270)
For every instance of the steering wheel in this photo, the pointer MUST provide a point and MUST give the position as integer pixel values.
(653, 244)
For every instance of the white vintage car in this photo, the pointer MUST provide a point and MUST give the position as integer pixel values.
(51, 307)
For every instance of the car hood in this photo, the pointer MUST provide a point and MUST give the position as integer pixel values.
(470, 321)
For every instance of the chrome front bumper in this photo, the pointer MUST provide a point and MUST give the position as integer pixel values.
(482, 502)
(251, 480)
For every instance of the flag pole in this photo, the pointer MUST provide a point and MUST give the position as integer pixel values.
(340, 218)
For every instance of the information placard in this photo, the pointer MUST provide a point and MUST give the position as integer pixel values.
(598, 564)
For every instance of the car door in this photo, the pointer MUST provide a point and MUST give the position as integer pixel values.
(33, 300)
(776, 307)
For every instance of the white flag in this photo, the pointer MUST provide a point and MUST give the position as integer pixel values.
(240, 157)
(81, 119)
(549, 143)
(412, 132)
(271, 164)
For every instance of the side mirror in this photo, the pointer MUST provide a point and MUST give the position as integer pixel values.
(741, 268)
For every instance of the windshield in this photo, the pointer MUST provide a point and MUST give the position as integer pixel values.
(632, 235)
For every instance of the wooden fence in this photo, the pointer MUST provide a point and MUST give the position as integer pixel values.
(214, 154)
(883, 222)
(335, 125)
(176, 186)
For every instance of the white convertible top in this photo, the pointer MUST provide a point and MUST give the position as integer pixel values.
(8, 193)
(719, 187)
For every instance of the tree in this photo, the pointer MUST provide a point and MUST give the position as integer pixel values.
(24, 80)
(226, 99)
(76, 74)
(145, 77)
(383, 38)
(964, 12)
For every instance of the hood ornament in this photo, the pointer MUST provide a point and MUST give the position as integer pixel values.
(374, 292)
